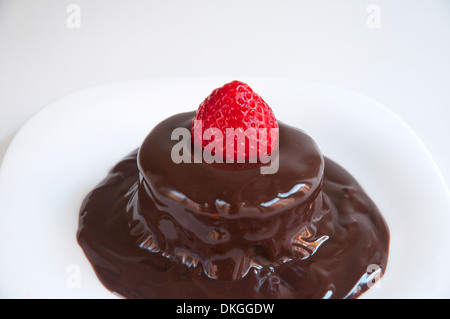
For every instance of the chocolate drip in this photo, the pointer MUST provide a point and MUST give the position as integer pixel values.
(157, 229)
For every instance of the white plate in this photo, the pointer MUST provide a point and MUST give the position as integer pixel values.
(68, 147)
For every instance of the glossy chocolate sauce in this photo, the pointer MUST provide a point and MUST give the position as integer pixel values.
(157, 229)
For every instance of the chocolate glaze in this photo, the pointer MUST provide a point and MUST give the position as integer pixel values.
(157, 229)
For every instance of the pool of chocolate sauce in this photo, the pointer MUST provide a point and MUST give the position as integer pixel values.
(156, 229)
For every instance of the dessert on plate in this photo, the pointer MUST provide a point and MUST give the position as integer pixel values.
(228, 202)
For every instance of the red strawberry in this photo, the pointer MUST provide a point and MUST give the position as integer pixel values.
(236, 107)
